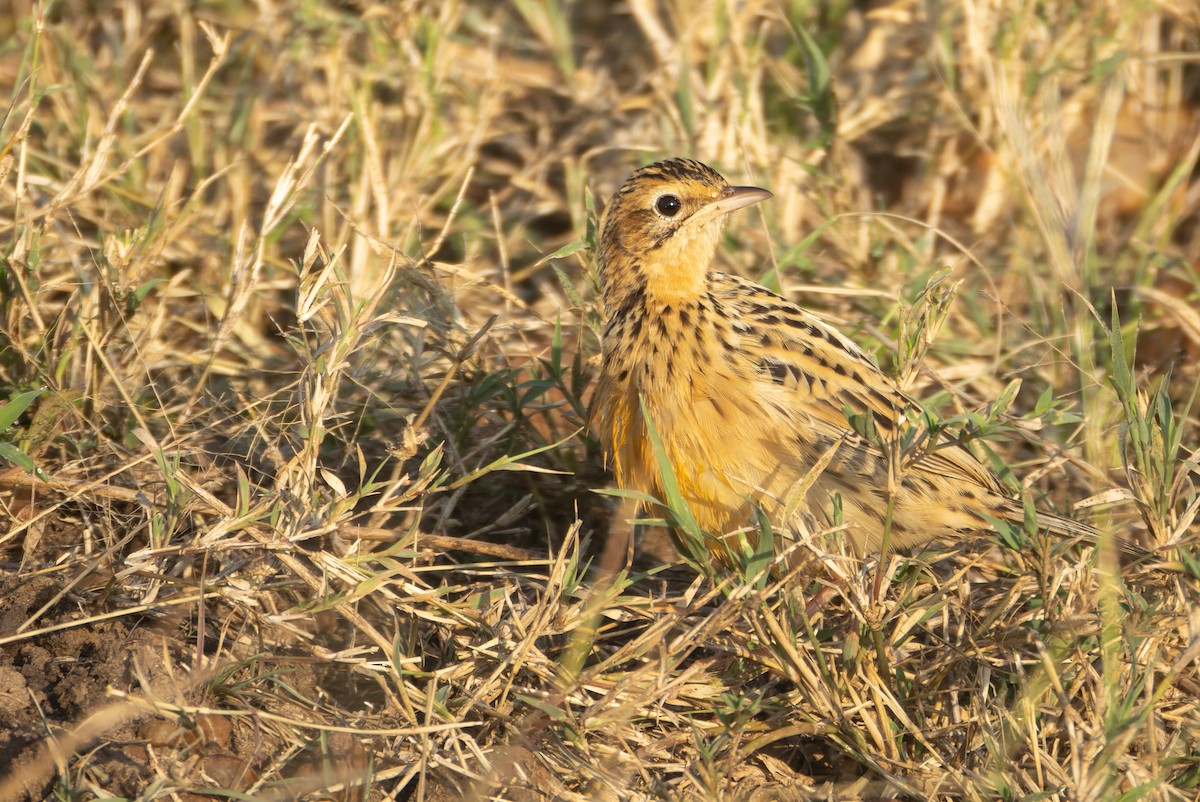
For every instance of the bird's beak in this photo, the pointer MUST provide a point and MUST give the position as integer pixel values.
(736, 198)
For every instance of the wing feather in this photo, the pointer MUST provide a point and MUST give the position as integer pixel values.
(829, 374)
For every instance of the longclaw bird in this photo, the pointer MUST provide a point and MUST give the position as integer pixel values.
(749, 392)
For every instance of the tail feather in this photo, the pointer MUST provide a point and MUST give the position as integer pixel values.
(1014, 511)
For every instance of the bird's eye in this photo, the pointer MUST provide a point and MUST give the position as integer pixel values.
(668, 205)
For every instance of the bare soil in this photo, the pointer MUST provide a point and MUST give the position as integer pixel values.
(50, 685)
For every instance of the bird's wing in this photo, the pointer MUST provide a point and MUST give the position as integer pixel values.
(828, 374)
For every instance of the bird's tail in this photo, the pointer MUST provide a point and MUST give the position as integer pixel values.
(1013, 510)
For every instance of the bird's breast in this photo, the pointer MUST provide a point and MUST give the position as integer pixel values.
(670, 352)
(682, 363)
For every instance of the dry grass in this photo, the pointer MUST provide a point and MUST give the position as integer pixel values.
(298, 327)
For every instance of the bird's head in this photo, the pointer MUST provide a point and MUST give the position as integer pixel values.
(662, 227)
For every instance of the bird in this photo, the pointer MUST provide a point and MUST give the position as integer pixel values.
(753, 397)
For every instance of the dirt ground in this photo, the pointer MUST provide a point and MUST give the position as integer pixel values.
(64, 677)
(65, 686)
(52, 686)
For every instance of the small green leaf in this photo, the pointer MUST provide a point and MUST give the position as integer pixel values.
(760, 561)
(674, 499)
(555, 713)
(15, 456)
(17, 404)
(513, 463)
(562, 253)
(142, 291)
